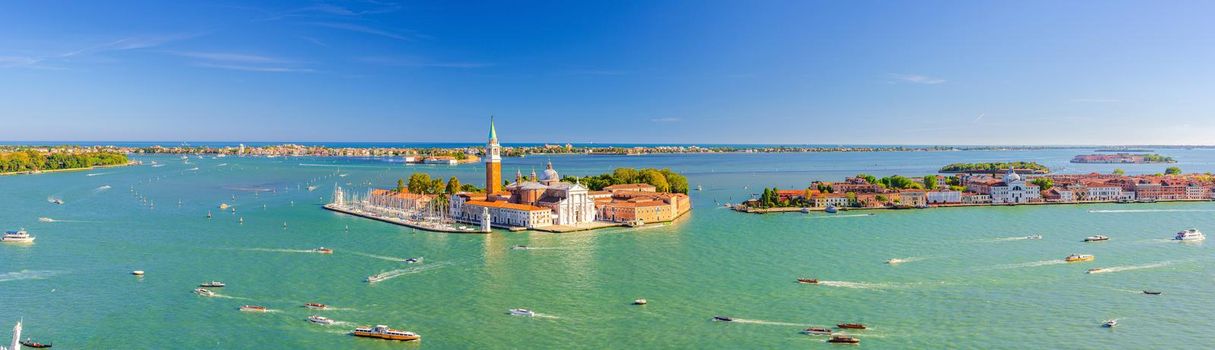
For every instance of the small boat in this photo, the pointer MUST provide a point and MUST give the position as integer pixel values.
(1110, 323)
(311, 188)
(1149, 292)
(212, 284)
(894, 261)
(817, 331)
(320, 320)
(374, 278)
(33, 344)
(640, 302)
(45, 219)
(807, 280)
(522, 312)
(223, 206)
(635, 223)
(383, 332)
(519, 247)
(413, 260)
(323, 250)
(1096, 270)
(1033, 237)
(805, 210)
(316, 306)
(844, 339)
(831, 209)
(699, 188)
(1190, 235)
(204, 292)
(18, 236)
(137, 272)
(723, 318)
(1079, 258)
(253, 308)
(851, 326)
(208, 214)
(1097, 238)
(57, 201)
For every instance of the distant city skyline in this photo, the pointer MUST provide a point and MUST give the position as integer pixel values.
(775, 72)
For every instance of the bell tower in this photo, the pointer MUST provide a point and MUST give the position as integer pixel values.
(493, 161)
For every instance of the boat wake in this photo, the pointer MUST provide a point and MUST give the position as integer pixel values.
(897, 261)
(772, 323)
(45, 219)
(217, 295)
(1030, 264)
(840, 216)
(27, 275)
(1006, 239)
(856, 285)
(1149, 210)
(340, 166)
(381, 257)
(1133, 267)
(412, 270)
(102, 188)
(277, 250)
(157, 165)
(95, 174)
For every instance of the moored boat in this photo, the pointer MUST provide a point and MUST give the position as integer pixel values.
(30, 343)
(1097, 238)
(320, 320)
(831, 209)
(817, 331)
(383, 332)
(316, 306)
(1079, 258)
(213, 284)
(253, 308)
(1190, 235)
(851, 326)
(843, 339)
(522, 312)
(807, 280)
(18, 236)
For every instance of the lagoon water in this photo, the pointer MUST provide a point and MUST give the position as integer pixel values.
(968, 282)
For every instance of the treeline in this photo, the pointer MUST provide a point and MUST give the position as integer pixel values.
(994, 167)
(28, 160)
(1156, 158)
(422, 183)
(664, 180)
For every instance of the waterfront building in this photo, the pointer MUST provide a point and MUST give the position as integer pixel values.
(1014, 189)
(914, 197)
(631, 187)
(626, 206)
(1101, 192)
(944, 197)
(471, 207)
(441, 160)
(976, 198)
(822, 200)
(571, 203)
(855, 184)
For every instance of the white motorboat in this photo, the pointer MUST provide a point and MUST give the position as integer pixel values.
(204, 292)
(18, 236)
(1110, 323)
(1097, 238)
(413, 260)
(640, 302)
(1033, 237)
(522, 312)
(320, 320)
(212, 284)
(1190, 235)
(137, 272)
(375, 278)
(894, 261)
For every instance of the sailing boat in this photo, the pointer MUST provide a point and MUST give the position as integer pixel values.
(16, 345)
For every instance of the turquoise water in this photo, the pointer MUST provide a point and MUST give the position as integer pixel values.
(968, 284)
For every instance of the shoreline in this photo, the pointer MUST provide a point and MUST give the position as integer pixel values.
(935, 206)
(40, 172)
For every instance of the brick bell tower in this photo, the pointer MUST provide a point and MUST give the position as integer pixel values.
(493, 161)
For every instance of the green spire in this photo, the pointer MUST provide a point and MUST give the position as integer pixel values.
(493, 132)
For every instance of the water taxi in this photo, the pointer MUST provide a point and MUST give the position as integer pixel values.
(1033, 237)
(851, 326)
(1097, 238)
(57, 201)
(212, 284)
(137, 272)
(1096, 270)
(640, 302)
(1190, 235)
(723, 318)
(18, 236)
(1110, 323)
(807, 280)
(316, 306)
(522, 312)
(1079, 258)
(413, 260)
(894, 261)
(320, 320)
(323, 250)
(844, 339)
(253, 308)
(817, 331)
(204, 292)
(383, 332)
(29, 343)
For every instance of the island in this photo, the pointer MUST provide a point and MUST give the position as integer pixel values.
(1123, 158)
(995, 168)
(35, 160)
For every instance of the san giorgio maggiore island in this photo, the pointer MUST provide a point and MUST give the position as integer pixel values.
(541, 202)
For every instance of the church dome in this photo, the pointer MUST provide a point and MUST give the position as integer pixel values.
(1012, 176)
(549, 174)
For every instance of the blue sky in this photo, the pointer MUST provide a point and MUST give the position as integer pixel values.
(929, 72)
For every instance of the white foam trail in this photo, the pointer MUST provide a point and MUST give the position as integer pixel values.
(1005, 239)
(27, 275)
(95, 174)
(192, 169)
(409, 271)
(279, 250)
(839, 216)
(771, 323)
(1133, 267)
(1149, 210)
(897, 261)
(102, 188)
(222, 164)
(157, 165)
(540, 315)
(381, 257)
(340, 166)
(857, 285)
(217, 295)
(1031, 264)
(45, 219)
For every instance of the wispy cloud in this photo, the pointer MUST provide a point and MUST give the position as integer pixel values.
(228, 57)
(666, 120)
(1095, 100)
(596, 72)
(250, 68)
(419, 62)
(980, 117)
(124, 44)
(917, 79)
(358, 28)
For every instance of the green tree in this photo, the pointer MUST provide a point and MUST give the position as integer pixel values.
(1119, 172)
(419, 182)
(453, 185)
(930, 182)
(868, 178)
(655, 178)
(400, 185)
(1172, 171)
(1045, 183)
